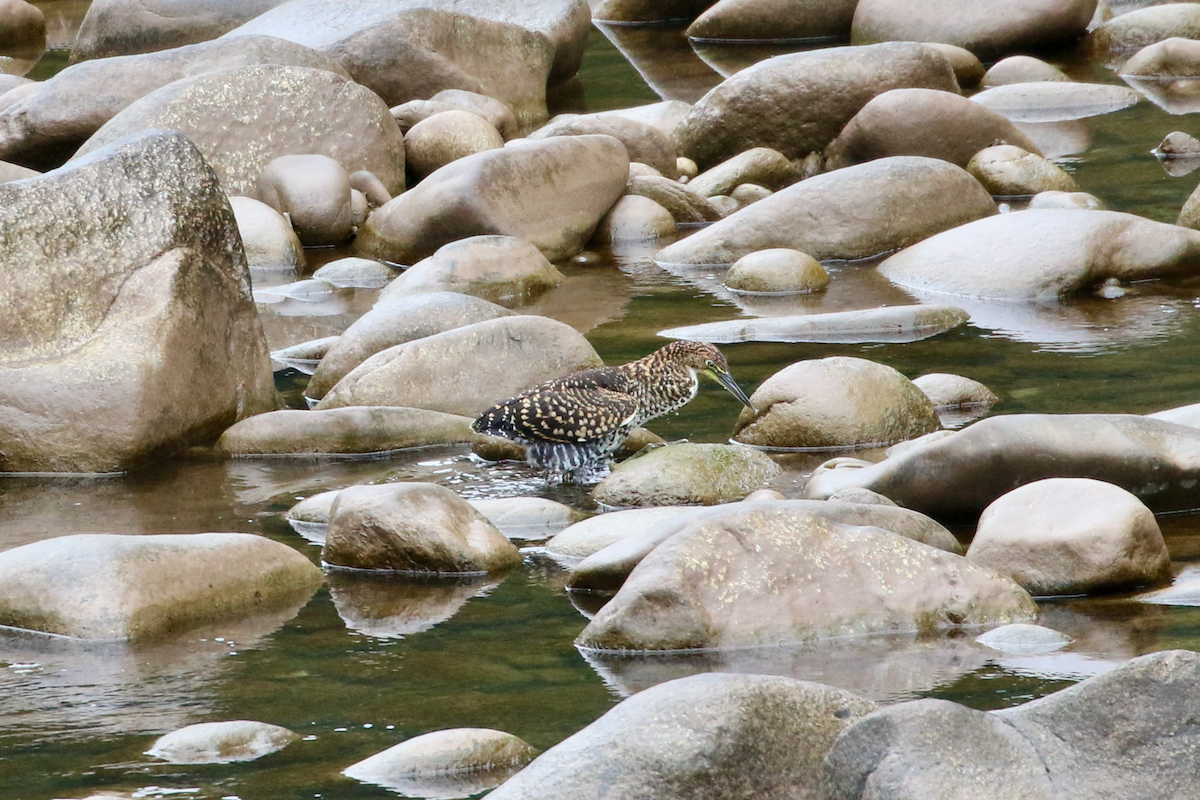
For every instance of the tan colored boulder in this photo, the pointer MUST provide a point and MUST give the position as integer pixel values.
(445, 137)
(648, 10)
(1189, 215)
(494, 111)
(954, 391)
(1044, 255)
(634, 218)
(353, 429)
(747, 193)
(887, 324)
(413, 527)
(551, 193)
(851, 213)
(221, 742)
(526, 518)
(1142, 27)
(777, 271)
(355, 273)
(764, 20)
(314, 192)
(597, 532)
(791, 577)
(1170, 58)
(835, 402)
(681, 202)
(968, 69)
(1071, 536)
(135, 588)
(664, 116)
(146, 281)
(988, 32)
(686, 474)
(277, 111)
(921, 122)
(466, 370)
(455, 751)
(1077, 200)
(798, 103)
(644, 143)
(267, 236)
(395, 322)
(1006, 170)
(760, 165)
(46, 127)
(501, 269)
(1021, 69)
(22, 27)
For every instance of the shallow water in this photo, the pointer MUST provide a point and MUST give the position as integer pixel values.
(367, 663)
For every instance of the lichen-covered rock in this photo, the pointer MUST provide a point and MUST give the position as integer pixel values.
(1007, 171)
(835, 402)
(789, 577)
(277, 110)
(221, 742)
(131, 273)
(353, 429)
(106, 586)
(856, 212)
(550, 192)
(413, 527)
(738, 737)
(1071, 536)
(465, 370)
(686, 474)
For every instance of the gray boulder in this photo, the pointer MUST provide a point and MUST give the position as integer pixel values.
(268, 238)
(887, 324)
(789, 577)
(988, 32)
(221, 742)
(502, 269)
(551, 193)
(1023, 639)
(1007, 170)
(686, 474)
(277, 111)
(314, 192)
(644, 143)
(440, 754)
(1071, 536)
(494, 111)
(465, 370)
(1044, 255)
(857, 212)
(835, 402)
(111, 587)
(413, 527)
(921, 122)
(353, 429)
(1021, 69)
(758, 165)
(798, 103)
(526, 518)
(1170, 58)
(777, 271)
(146, 280)
(683, 203)
(763, 20)
(1143, 27)
(400, 320)
(47, 126)
(355, 273)
(954, 391)
(739, 737)
(959, 474)
(633, 218)
(445, 137)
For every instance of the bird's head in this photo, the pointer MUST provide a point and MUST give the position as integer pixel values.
(706, 359)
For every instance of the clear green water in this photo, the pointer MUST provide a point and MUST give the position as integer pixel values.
(75, 720)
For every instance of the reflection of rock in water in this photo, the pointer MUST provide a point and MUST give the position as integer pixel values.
(588, 298)
(1174, 95)
(664, 59)
(450, 786)
(393, 606)
(882, 668)
(1058, 139)
(728, 58)
(53, 687)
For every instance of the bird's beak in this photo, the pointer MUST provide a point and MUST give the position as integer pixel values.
(726, 380)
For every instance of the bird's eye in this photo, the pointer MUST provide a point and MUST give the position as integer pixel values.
(711, 365)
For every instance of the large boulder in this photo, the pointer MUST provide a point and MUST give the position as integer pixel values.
(961, 473)
(851, 213)
(1170, 58)
(835, 402)
(551, 193)
(644, 143)
(737, 737)
(1045, 254)
(314, 192)
(1129, 733)
(1071, 536)
(466, 370)
(353, 429)
(48, 125)
(1143, 27)
(123, 27)
(106, 586)
(275, 111)
(400, 320)
(788, 577)
(921, 122)
(686, 474)
(125, 271)
(987, 31)
(798, 103)
(413, 527)
(764, 20)
(498, 268)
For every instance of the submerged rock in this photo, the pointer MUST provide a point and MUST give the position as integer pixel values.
(686, 474)
(1023, 639)
(106, 586)
(954, 391)
(349, 430)
(221, 742)
(887, 324)
(856, 212)
(715, 735)
(790, 577)
(1053, 101)
(441, 752)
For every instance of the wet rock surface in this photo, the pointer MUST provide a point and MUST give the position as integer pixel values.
(496, 268)
(221, 742)
(686, 474)
(348, 430)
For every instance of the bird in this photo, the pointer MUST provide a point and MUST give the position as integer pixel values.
(571, 426)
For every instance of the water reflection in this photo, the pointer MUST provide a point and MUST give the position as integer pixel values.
(392, 606)
(1058, 139)
(1174, 95)
(664, 59)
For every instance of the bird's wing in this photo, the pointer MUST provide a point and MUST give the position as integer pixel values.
(562, 414)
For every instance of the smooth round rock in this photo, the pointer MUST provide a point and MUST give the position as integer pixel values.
(758, 165)
(835, 402)
(634, 218)
(1079, 200)
(861, 496)
(1189, 215)
(765, 20)
(355, 273)
(494, 111)
(1071, 536)
(349, 430)
(221, 742)
(372, 189)
(683, 203)
(1021, 69)
(596, 533)
(1174, 58)
(267, 236)
(441, 752)
(968, 69)
(643, 142)
(686, 474)
(413, 527)
(442, 138)
(502, 269)
(747, 193)
(954, 391)
(314, 192)
(22, 27)
(1143, 27)
(1009, 171)
(777, 271)
(314, 509)
(1023, 639)
(686, 168)
(1178, 144)
(526, 518)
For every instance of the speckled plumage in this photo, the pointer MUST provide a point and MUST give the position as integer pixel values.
(571, 426)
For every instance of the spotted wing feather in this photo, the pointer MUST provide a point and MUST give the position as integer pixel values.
(570, 410)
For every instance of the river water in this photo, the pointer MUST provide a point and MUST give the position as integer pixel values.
(368, 663)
